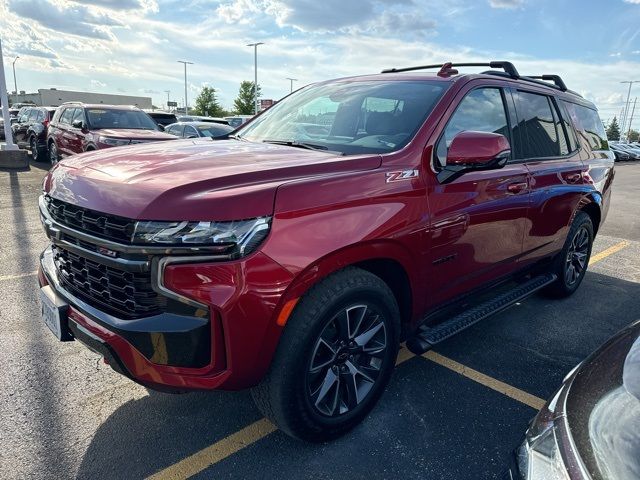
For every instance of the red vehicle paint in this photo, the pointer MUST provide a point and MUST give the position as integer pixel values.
(430, 232)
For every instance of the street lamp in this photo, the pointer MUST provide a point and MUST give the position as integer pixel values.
(292, 80)
(255, 71)
(15, 83)
(186, 100)
(626, 104)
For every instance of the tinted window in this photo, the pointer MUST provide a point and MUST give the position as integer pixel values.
(67, 115)
(350, 117)
(33, 115)
(24, 116)
(78, 115)
(40, 117)
(190, 131)
(538, 128)
(568, 126)
(214, 130)
(175, 130)
(482, 110)
(588, 125)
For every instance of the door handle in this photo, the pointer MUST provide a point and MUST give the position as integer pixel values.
(517, 187)
(573, 177)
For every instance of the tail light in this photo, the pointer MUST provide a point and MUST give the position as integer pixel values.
(45, 124)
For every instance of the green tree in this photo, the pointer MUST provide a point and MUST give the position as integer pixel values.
(244, 104)
(207, 103)
(634, 135)
(613, 130)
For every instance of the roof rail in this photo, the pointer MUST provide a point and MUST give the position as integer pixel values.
(72, 103)
(551, 78)
(445, 68)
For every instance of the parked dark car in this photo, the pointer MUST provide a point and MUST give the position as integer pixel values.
(296, 267)
(78, 127)
(590, 429)
(162, 119)
(620, 153)
(634, 153)
(30, 130)
(199, 129)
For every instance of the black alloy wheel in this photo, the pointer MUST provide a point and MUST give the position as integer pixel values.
(577, 256)
(346, 360)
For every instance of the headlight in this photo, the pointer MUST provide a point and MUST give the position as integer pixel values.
(240, 237)
(114, 142)
(540, 459)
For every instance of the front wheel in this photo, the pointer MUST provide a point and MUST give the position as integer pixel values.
(571, 264)
(334, 359)
(36, 152)
(53, 153)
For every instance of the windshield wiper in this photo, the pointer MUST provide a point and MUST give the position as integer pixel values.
(293, 143)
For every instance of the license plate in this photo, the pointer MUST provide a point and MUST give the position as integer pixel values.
(53, 311)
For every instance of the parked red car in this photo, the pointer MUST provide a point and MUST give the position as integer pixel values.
(295, 261)
(78, 127)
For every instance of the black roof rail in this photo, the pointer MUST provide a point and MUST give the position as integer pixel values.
(445, 68)
(551, 78)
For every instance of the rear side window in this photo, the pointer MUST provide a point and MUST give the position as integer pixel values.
(539, 127)
(40, 117)
(175, 130)
(482, 110)
(588, 125)
(33, 115)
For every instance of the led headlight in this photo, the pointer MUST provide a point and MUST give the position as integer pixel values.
(114, 142)
(240, 237)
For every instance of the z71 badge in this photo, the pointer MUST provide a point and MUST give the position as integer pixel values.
(401, 175)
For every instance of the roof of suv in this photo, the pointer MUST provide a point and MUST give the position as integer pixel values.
(99, 105)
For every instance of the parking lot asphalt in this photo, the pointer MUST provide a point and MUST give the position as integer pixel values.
(455, 413)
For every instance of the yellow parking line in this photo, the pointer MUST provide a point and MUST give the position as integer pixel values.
(609, 251)
(20, 275)
(490, 382)
(216, 452)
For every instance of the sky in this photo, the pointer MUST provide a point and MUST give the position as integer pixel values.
(133, 46)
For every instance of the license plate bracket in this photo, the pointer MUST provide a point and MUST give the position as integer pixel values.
(54, 314)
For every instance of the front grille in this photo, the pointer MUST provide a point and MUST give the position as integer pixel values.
(126, 295)
(110, 227)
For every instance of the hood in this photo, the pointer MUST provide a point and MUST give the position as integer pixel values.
(134, 134)
(190, 179)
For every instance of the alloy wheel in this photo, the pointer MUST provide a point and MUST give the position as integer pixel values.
(577, 256)
(346, 360)
(34, 149)
(53, 154)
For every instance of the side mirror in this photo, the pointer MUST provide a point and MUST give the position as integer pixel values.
(161, 127)
(470, 151)
(77, 124)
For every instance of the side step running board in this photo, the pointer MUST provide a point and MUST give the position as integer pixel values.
(426, 337)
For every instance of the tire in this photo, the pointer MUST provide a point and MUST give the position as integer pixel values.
(37, 153)
(571, 263)
(54, 157)
(306, 366)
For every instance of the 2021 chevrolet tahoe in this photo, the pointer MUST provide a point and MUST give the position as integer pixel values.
(294, 261)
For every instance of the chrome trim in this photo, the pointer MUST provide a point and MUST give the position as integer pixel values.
(157, 276)
(120, 263)
(54, 230)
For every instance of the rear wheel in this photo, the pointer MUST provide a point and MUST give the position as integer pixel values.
(37, 153)
(571, 264)
(54, 157)
(334, 359)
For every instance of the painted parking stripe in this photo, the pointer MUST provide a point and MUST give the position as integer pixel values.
(15, 277)
(218, 451)
(609, 251)
(490, 382)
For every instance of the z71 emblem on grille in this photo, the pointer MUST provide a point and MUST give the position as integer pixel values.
(107, 252)
(401, 175)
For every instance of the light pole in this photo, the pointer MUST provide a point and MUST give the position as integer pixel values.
(186, 100)
(15, 83)
(5, 107)
(292, 80)
(255, 71)
(626, 104)
(633, 110)
(168, 92)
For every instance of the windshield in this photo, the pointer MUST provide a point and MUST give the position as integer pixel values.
(349, 117)
(112, 118)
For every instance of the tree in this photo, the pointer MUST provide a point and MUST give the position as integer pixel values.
(634, 135)
(245, 102)
(207, 103)
(613, 130)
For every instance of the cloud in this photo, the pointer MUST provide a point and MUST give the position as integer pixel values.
(637, 2)
(69, 18)
(147, 5)
(98, 84)
(507, 3)
(615, 54)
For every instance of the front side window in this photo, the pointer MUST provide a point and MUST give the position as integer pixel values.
(67, 115)
(482, 110)
(113, 118)
(538, 127)
(78, 115)
(352, 117)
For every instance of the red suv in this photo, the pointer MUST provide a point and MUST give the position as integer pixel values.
(78, 127)
(295, 260)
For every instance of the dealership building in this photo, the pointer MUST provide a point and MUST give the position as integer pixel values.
(53, 97)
